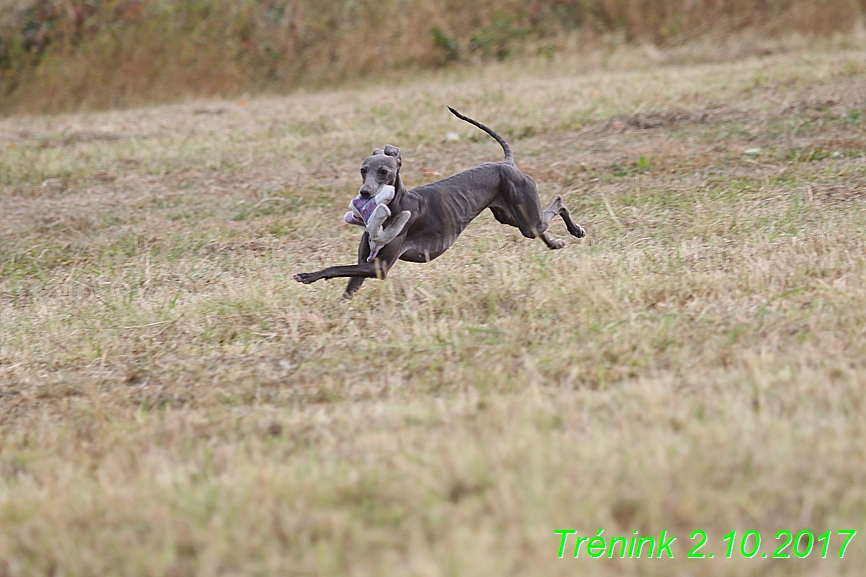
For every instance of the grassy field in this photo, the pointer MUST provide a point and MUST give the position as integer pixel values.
(77, 55)
(173, 403)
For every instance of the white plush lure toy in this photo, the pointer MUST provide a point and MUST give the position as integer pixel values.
(371, 214)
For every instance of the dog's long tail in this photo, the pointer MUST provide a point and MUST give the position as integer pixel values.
(509, 156)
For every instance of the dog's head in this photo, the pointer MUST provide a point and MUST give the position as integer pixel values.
(380, 168)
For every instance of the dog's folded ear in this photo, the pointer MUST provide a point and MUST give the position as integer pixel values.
(377, 152)
(395, 152)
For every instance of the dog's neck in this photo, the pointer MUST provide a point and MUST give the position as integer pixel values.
(399, 191)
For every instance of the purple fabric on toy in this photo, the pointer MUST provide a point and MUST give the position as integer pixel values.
(352, 218)
(365, 206)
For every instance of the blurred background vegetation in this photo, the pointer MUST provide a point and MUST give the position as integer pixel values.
(59, 55)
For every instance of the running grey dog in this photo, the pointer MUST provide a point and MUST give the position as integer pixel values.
(441, 210)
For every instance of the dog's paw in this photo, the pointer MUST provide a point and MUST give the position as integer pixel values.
(306, 277)
(556, 243)
(580, 232)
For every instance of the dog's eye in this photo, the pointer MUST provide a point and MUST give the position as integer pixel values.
(363, 172)
(383, 171)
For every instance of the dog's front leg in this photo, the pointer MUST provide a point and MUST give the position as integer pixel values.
(361, 270)
(356, 282)
(377, 269)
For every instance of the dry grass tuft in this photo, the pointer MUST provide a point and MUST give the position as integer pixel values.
(172, 403)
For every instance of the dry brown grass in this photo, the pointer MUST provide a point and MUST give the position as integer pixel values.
(172, 403)
(71, 55)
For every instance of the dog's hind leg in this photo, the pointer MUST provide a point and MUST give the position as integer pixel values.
(503, 216)
(557, 207)
(520, 206)
(539, 227)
